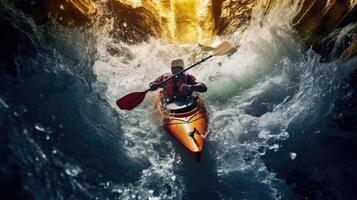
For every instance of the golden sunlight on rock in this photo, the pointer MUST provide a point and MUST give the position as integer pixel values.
(198, 21)
(351, 50)
(317, 18)
(182, 21)
(232, 15)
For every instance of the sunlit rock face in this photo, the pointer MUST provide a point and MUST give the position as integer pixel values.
(72, 12)
(316, 19)
(181, 21)
(232, 15)
(196, 21)
(130, 24)
(199, 21)
(350, 51)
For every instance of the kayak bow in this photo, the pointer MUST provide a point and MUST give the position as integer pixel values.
(187, 122)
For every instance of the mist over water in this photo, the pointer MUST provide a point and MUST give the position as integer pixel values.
(69, 141)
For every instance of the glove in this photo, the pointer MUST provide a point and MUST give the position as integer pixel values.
(186, 88)
(153, 86)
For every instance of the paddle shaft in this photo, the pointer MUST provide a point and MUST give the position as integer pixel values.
(183, 71)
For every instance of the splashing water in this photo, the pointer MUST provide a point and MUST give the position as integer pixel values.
(257, 97)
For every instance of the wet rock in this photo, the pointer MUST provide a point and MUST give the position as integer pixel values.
(231, 15)
(316, 18)
(73, 12)
(131, 25)
(66, 12)
(350, 51)
(350, 17)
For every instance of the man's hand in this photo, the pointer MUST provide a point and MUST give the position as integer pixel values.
(153, 86)
(186, 88)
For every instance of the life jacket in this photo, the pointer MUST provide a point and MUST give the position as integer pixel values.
(172, 88)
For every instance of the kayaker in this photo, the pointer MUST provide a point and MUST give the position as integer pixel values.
(180, 87)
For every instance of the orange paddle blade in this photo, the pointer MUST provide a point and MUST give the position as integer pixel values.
(131, 100)
(222, 49)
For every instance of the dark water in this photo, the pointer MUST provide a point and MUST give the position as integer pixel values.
(282, 126)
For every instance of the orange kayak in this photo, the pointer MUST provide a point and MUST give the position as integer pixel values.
(186, 120)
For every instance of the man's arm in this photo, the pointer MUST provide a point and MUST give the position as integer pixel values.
(198, 87)
(155, 84)
(193, 85)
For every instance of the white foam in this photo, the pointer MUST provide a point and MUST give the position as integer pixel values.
(269, 64)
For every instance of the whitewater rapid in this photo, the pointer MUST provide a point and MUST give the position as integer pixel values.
(264, 67)
(271, 88)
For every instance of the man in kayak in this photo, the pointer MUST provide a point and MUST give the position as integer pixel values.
(180, 87)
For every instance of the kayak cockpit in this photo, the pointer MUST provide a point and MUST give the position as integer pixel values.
(181, 105)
